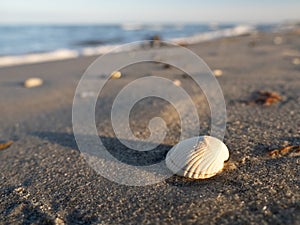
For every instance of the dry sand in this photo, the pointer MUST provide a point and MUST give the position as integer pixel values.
(44, 179)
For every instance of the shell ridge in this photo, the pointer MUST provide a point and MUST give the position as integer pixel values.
(207, 161)
(197, 157)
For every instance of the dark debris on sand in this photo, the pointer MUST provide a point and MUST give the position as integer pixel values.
(265, 98)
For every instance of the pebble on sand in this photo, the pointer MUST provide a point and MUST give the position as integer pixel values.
(116, 75)
(59, 221)
(277, 40)
(177, 83)
(33, 82)
(218, 73)
(167, 66)
(296, 61)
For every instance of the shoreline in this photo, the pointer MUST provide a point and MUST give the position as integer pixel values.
(63, 54)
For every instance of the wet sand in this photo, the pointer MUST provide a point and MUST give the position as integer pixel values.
(44, 179)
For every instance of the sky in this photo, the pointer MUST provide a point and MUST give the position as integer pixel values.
(142, 11)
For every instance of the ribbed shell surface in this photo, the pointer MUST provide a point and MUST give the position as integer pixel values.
(198, 157)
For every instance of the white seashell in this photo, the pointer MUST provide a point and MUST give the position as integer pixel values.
(116, 75)
(198, 157)
(33, 82)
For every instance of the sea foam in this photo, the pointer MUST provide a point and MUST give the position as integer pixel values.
(62, 54)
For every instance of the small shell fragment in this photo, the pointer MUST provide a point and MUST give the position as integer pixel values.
(277, 40)
(177, 82)
(291, 150)
(218, 73)
(5, 145)
(33, 82)
(116, 75)
(88, 94)
(59, 221)
(296, 61)
(198, 157)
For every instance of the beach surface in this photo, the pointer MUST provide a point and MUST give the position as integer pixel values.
(45, 180)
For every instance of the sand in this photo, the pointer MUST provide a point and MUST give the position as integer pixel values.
(44, 179)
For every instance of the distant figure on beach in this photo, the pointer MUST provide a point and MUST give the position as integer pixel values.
(155, 41)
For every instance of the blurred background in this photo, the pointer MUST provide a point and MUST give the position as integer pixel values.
(68, 29)
(255, 57)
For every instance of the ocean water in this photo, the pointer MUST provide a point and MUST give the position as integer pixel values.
(19, 43)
